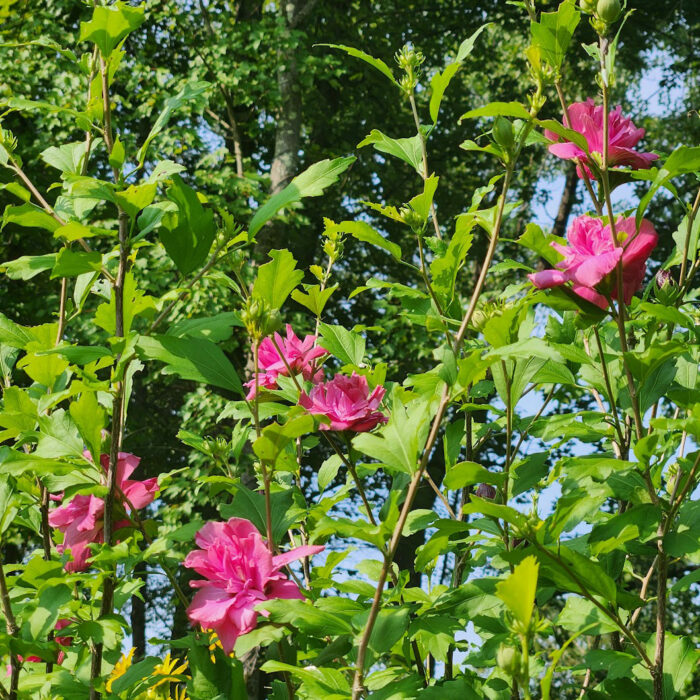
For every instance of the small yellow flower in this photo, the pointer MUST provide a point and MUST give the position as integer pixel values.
(120, 668)
(170, 669)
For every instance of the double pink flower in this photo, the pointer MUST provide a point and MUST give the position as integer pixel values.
(239, 572)
(82, 519)
(591, 258)
(297, 355)
(623, 136)
(347, 402)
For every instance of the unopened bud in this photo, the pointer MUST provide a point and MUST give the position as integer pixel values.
(609, 10)
(587, 6)
(486, 491)
(503, 133)
(260, 319)
(664, 278)
(508, 658)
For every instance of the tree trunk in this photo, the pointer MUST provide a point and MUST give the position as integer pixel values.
(568, 199)
(285, 161)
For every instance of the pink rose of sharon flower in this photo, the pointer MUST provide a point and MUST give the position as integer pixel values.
(347, 402)
(591, 258)
(81, 520)
(298, 354)
(239, 572)
(623, 136)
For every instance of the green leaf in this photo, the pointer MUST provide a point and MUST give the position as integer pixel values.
(277, 278)
(440, 81)
(315, 299)
(518, 591)
(191, 92)
(29, 216)
(251, 506)
(214, 328)
(110, 24)
(79, 354)
(680, 661)
(468, 473)
(135, 303)
(374, 62)
(552, 34)
(399, 442)
(311, 183)
(58, 436)
(72, 231)
(71, 263)
(362, 231)
(67, 158)
(90, 418)
(421, 203)
(390, 626)
(347, 346)
(28, 266)
(12, 334)
(276, 437)
(191, 358)
(498, 109)
(328, 471)
(187, 235)
(410, 149)
(495, 510)
(444, 268)
(135, 198)
(45, 615)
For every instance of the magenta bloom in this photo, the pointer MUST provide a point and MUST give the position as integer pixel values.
(298, 354)
(239, 572)
(623, 136)
(346, 401)
(590, 259)
(81, 520)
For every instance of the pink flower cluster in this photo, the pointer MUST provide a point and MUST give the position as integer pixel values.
(81, 520)
(297, 355)
(239, 572)
(346, 401)
(623, 136)
(590, 259)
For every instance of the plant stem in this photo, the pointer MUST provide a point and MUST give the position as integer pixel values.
(686, 244)
(118, 407)
(12, 630)
(424, 153)
(358, 683)
(608, 387)
(579, 165)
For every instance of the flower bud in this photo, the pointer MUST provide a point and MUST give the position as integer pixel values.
(608, 10)
(664, 278)
(508, 658)
(260, 319)
(587, 6)
(503, 133)
(486, 491)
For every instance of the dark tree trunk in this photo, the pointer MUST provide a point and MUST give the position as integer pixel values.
(568, 199)
(285, 160)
